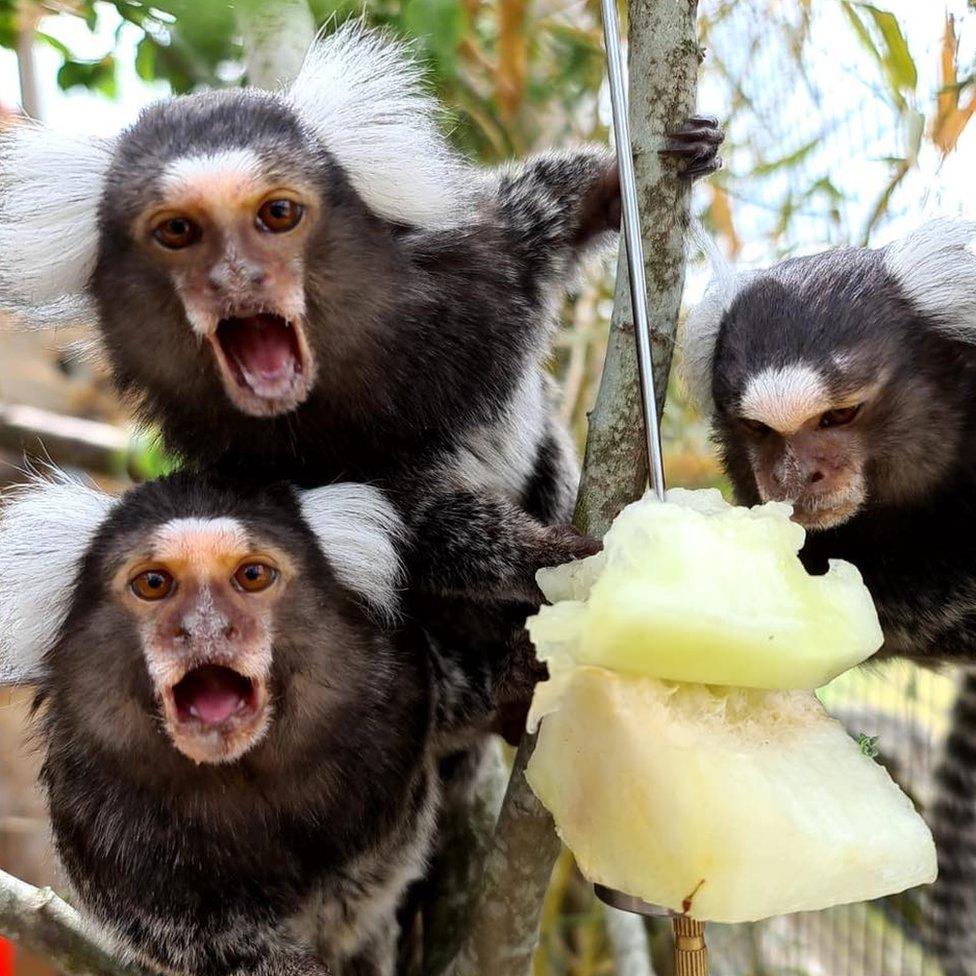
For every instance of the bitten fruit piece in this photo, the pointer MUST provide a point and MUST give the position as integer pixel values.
(728, 804)
(699, 590)
(673, 769)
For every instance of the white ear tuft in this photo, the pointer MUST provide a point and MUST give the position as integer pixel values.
(50, 188)
(363, 96)
(46, 528)
(699, 334)
(935, 266)
(358, 530)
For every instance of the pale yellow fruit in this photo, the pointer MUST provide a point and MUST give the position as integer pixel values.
(729, 804)
(698, 590)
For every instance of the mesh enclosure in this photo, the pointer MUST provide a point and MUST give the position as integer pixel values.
(832, 140)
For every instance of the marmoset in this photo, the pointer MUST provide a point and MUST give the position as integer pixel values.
(240, 749)
(845, 384)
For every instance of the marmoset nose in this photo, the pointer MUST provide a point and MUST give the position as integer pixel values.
(814, 477)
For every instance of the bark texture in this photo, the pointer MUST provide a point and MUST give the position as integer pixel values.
(664, 56)
(663, 68)
(40, 921)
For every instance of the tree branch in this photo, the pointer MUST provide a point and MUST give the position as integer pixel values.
(67, 441)
(629, 942)
(664, 60)
(276, 34)
(40, 921)
(454, 878)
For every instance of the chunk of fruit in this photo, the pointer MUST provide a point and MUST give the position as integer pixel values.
(699, 590)
(728, 804)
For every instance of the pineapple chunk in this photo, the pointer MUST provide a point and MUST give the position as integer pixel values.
(699, 590)
(728, 804)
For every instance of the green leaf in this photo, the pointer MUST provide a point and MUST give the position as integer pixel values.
(146, 58)
(868, 744)
(147, 458)
(898, 58)
(893, 56)
(97, 76)
(8, 32)
(861, 31)
(58, 46)
(785, 162)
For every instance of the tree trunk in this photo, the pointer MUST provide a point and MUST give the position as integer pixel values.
(26, 24)
(664, 60)
(276, 35)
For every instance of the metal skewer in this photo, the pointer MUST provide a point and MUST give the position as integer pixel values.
(690, 953)
(634, 244)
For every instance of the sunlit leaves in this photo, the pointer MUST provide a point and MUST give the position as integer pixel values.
(881, 36)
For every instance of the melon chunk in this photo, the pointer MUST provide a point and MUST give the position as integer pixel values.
(727, 804)
(676, 766)
(699, 590)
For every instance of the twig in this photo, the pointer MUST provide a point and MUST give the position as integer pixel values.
(40, 921)
(67, 441)
(664, 59)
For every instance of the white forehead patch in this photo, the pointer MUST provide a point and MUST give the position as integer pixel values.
(199, 540)
(785, 397)
(46, 528)
(208, 168)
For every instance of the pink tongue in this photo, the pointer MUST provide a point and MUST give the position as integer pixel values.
(262, 346)
(214, 705)
(211, 694)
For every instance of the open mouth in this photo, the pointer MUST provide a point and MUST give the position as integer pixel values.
(215, 713)
(265, 362)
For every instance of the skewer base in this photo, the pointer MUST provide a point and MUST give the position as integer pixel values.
(690, 951)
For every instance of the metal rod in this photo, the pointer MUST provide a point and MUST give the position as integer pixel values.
(691, 956)
(634, 244)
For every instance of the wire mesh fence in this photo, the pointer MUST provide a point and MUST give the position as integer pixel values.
(834, 138)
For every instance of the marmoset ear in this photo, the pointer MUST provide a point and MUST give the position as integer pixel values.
(46, 527)
(359, 532)
(699, 334)
(50, 190)
(935, 267)
(364, 97)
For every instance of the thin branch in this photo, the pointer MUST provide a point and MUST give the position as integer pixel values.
(664, 59)
(464, 835)
(629, 942)
(41, 922)
(30, 99)
(69, 442)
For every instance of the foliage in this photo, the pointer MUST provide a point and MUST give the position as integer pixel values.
(511, 74)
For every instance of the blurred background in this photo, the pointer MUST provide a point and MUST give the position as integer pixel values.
(846, 122)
